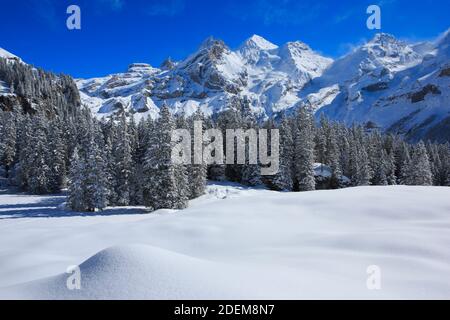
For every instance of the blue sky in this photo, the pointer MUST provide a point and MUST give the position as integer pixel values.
(118, 32)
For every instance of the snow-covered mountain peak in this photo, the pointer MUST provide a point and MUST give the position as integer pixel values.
(256, 50)
(213, 66)
(377, 60)
(143, 68)
(386, 46)
(259, 42)
(383, 39)
(299, 59)
(296, 46)
(168, 64)
(214, 46)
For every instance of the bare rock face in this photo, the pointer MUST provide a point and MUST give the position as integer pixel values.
(216, 67)
(168, 64)
(376, 87)
(445, 72)
(420, 95)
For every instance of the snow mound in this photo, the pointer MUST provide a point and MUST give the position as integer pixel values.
(135, 272)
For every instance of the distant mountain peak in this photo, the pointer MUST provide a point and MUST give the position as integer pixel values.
(141, 68)
(168, 64)
(381, 38)
(299, 45)
(259, 42)
(212, 42)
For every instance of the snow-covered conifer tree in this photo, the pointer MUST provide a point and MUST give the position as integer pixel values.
(304, 151)
(197, 172)
(39, 170)
(250, 172)
(56, 157)
(95, 183)
(283, 179)
(420, 170)
(76, 189)
(7, 140)
(160, 186)
(123, 162)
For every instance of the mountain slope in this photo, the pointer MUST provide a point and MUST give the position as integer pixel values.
(211, 79)
(23, 87)
(7, 55)
(387, 83)
(392, 86)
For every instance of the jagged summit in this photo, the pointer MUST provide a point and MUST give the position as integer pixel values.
(298, 45)
(168, 64)
(259, 42)
(382, 38)
(141, 68)
(211, 42)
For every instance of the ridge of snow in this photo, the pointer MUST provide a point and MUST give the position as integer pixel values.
(7, 55)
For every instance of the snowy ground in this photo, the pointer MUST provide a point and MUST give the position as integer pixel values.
(233, 243)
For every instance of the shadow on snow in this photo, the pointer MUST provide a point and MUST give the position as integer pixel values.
(51, 206)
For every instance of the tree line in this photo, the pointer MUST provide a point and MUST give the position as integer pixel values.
(119, 162)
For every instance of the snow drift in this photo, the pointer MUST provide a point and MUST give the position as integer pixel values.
(235, 242)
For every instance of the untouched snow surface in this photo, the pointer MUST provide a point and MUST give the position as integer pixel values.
(233, 242)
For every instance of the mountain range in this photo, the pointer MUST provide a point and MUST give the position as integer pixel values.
(386, 83)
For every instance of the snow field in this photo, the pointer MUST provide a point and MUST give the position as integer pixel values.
(234, 242)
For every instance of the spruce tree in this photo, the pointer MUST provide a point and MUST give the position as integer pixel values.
(283, 179)
(197, 172)
(123, 163)
(76, 190)
(333, 156)
(419, 168)
(24, 154)
(95, 183)
(304, 152)
(7, 141)
(250, 172)
(160, 185)
(56, 157)
(39, 170)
